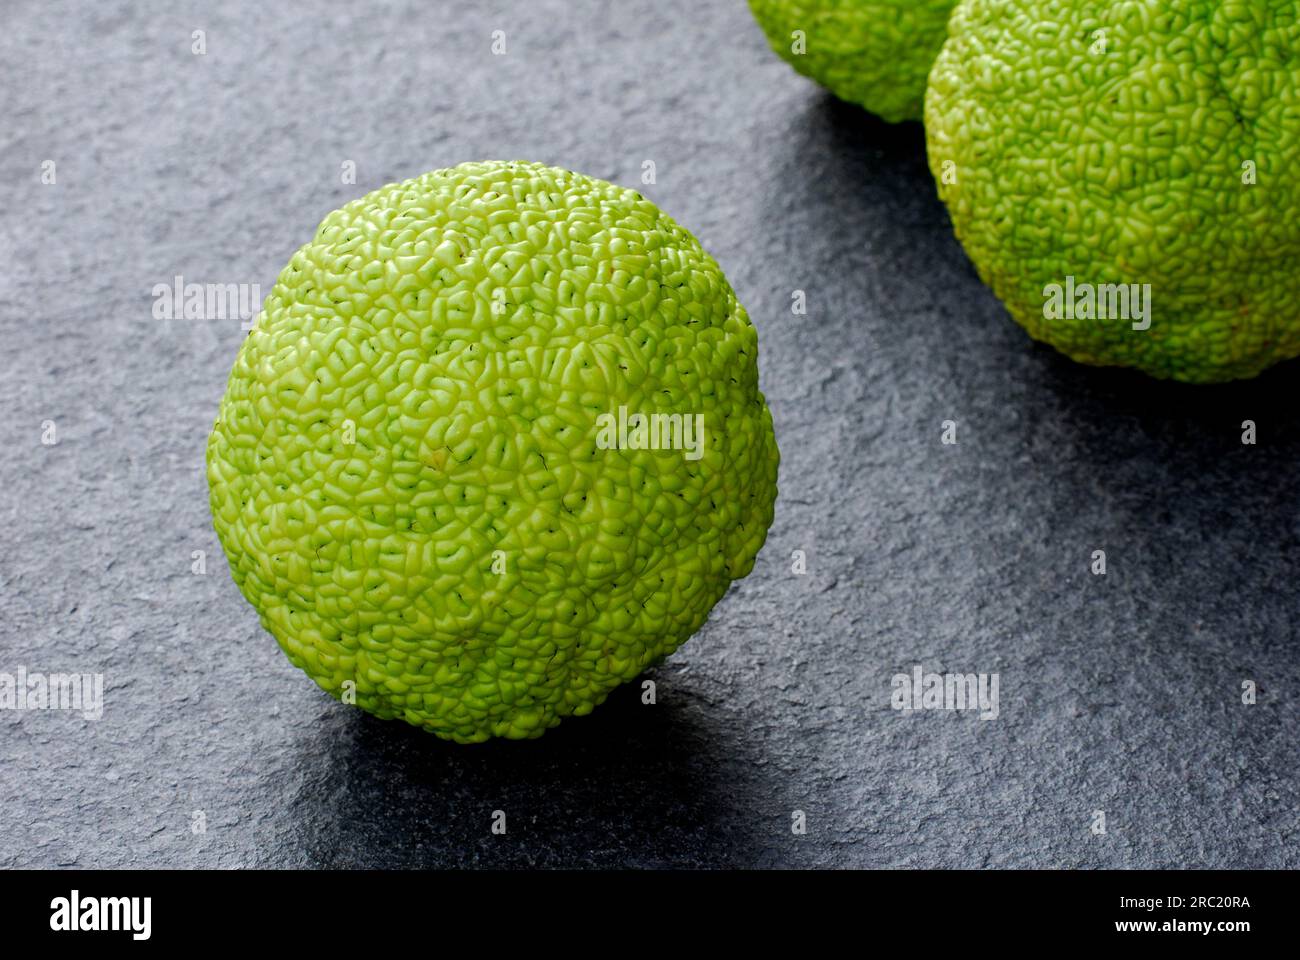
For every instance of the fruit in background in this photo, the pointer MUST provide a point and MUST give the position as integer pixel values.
(875, 54)
(1092, 153)
(414, 473)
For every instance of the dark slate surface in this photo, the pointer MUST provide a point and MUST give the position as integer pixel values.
(1119, 693)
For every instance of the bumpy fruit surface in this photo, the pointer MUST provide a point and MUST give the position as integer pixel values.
(1125, 145)
(407, 473)
(875, 53)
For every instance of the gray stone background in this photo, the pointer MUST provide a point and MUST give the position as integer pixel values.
(1119, 693)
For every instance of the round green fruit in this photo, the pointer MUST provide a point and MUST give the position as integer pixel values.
(875, 53)
(494, 446)
(1122, 175)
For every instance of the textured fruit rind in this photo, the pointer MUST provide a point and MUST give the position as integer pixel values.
(1112, 143)
(473, 561)
(875, 53)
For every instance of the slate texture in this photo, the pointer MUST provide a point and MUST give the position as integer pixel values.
(1119, 693)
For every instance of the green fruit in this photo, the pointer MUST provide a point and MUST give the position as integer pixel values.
(875, 53)
(411, 472)
(1127, 149)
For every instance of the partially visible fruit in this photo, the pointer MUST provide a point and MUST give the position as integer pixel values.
(875, 53)
(1122, 175)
